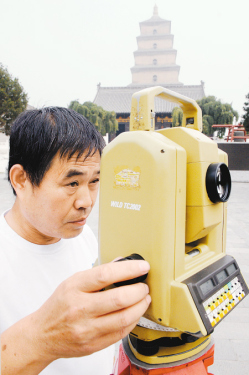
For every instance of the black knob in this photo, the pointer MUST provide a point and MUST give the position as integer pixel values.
(136, 279)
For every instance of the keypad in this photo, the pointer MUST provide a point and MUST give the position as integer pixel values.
(220, 303)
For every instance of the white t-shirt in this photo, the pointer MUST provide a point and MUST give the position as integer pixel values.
(30, 273)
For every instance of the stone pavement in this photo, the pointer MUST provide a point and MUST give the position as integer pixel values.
(232, 335)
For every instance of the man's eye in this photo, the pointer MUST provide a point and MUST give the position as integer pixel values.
(74, 184)
(95, 181)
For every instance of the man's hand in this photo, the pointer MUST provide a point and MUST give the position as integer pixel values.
(78, 319)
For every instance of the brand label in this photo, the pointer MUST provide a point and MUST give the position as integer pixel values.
(126, 205)
(126, 178)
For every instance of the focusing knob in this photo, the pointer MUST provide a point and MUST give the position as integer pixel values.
(136, 279)
(218, 182)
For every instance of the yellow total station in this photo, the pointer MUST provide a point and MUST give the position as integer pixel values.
(163, 196)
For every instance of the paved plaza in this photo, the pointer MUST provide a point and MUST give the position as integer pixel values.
(232, 335)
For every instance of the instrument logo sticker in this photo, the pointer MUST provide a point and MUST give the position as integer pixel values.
(127, 178)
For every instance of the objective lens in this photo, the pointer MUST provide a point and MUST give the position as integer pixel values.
(218, 182)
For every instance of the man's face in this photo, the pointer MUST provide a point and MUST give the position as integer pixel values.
(59, 206)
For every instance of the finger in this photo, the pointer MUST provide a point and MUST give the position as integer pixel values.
(111, 300)
(102, 276)
(122, 319)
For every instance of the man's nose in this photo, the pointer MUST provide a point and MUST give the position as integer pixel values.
(83, 199)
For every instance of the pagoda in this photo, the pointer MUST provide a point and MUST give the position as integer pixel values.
(155, 58)
(155, 65)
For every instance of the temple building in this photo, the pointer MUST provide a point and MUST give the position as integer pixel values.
(155, 65)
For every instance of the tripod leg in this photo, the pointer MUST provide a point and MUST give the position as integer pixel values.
(122, 363)
(123, 366)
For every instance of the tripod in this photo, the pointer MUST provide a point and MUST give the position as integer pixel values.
(128, 364)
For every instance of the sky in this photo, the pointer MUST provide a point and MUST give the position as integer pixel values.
(60, 50)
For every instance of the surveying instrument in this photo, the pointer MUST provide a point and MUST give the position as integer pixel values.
(163, 198)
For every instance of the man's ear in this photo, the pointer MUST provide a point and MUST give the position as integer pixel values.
(18, 178)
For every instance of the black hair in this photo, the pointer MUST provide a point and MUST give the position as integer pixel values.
(38, 135)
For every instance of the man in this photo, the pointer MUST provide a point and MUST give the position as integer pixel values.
(55, 316)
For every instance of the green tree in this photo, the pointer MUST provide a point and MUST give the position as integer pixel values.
(245, 117)
(215, 112)
(13, 100)
(177, 116)
(104, 121)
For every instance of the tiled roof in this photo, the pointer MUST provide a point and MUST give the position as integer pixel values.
(152, 51)
(140, 68)
(29, 107)
(154, 19)
(118, 99)
(157, 37)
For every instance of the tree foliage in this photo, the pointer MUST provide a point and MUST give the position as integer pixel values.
(177, 116)
(104, 121)
(13, 100)
(245, 117)
(215, 112)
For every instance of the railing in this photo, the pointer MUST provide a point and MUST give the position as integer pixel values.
(232, 131)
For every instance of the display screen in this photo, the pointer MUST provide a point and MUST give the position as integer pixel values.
(221, 276)
(231, 269)
(207, 286)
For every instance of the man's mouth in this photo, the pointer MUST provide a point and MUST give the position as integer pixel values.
(79, 222)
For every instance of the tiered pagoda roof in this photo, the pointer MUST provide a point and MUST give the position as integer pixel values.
(155, 65)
